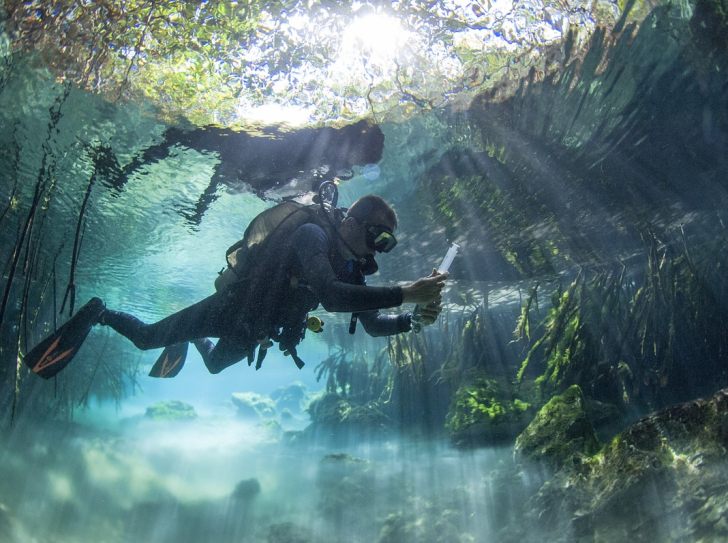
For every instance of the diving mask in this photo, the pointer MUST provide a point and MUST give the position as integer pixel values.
(379, 237)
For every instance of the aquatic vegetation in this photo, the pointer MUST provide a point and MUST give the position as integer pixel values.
(408, 354)
(610, 332)
(44, 182)
(480, 192)
(350, 376)
(467, 382)
(28, 311)
(523, 324)
(624, 339)
(417, 394)
(400, 382)
(414, 382)
(568, 343)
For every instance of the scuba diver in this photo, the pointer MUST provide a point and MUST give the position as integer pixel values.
(293, 258)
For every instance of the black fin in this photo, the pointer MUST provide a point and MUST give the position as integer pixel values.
(56, 351)
(170, 362)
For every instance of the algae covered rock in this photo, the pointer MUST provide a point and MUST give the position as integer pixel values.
(333, 413)
(329, 409)
(172, 410)
(560, 431)
(485, 412)
(254, 406)
(661, 479)
(681, 447)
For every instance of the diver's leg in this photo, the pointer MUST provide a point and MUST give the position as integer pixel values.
(197, 321)
(204, 347)
(223, 355)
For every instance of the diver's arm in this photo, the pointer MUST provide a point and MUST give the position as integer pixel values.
(377, 324)
(337, 296)
(311, 245)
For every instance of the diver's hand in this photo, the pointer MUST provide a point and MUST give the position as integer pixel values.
(425, 290)
(425, 315)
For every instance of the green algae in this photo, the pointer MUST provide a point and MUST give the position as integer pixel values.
(668, 465)
(560, 430)
(171, 410)
(484, 410)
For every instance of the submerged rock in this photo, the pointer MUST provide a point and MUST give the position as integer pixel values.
(560, 431)
(247, 489)
(286, 415)
(172, 410)
(335, 415)
(293, 397)
(661, 479)
(254, 406)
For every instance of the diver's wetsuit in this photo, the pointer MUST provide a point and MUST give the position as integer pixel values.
(335, 283)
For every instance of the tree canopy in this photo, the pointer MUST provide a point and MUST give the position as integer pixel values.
(236, 63)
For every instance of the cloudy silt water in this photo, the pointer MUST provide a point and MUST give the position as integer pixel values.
(570, 389)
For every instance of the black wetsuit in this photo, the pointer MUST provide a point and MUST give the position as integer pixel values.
(321, 273)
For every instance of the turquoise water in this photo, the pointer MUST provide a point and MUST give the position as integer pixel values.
(612, 162)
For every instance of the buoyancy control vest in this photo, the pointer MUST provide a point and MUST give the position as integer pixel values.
(245, 257)
(274, 304)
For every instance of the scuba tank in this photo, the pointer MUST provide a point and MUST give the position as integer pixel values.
(264, 292)
(286, 216)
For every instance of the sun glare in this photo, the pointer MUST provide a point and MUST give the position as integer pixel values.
(369, 47)
(376, 36)
(271, 114)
